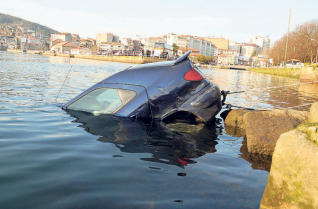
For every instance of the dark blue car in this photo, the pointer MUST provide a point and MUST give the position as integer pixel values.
(166, 91)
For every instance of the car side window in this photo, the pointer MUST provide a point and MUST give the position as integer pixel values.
(103, 101)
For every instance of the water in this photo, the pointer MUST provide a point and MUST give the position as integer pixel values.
(53, 159)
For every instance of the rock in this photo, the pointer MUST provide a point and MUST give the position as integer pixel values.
(293, 179)
(308, 89)
(259, 162)
(234, 124)
(311, 129)
(313, 114)
(263, 128)
(308, 74)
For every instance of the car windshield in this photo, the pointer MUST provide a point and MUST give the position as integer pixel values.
(103, 101)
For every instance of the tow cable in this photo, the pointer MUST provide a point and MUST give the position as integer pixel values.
(229, 106)
(225, 93)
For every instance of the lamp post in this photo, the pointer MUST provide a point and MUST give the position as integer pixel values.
(286, 46)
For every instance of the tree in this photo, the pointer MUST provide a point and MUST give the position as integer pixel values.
(205, 59)
(302, 44)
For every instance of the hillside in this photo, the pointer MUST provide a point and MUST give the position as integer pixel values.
(19, 22)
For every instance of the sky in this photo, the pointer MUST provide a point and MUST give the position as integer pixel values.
(237, 20)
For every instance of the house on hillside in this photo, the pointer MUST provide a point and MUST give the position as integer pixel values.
(65, 37)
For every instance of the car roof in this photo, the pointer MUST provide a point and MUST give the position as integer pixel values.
(146, 74)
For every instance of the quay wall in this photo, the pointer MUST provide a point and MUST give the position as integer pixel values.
(123, 59)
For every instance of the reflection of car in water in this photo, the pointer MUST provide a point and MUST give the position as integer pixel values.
(166, 91)
(167, 145)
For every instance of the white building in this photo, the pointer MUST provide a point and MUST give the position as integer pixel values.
(180, 41)
(205, 48)
(262, 41)
(233, 45)
(249, 50)
(228, 59)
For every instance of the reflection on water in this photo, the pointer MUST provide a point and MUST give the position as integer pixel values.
(264, 91)
(167, 145)
(53, 159)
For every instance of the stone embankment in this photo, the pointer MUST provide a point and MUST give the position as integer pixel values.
(291, 138)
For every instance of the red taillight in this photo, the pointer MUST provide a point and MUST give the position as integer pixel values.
(193, 75)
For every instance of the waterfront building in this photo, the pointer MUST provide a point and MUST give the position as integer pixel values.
(249, 50)
(64, 37)
(220, 43)
(262, 41)
(89, 43)
(134, 47)
(194, 53)
(32, 43)
(228, 51)
(9, 41)
(233, 45)
(106, 38)
(228, 59)
(243, 60)
(149, 45)
(179, 40)
(205, 47)
(111, 48)
(216, 52)
(63, 47)
(152, 40)
(261, 61)
(80, 51)
(163, 50)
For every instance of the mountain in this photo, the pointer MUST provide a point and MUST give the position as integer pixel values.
(9, 20)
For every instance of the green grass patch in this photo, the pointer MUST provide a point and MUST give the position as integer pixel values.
(311, 129)
(285, 72)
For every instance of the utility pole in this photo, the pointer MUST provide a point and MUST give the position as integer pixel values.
(286, 47)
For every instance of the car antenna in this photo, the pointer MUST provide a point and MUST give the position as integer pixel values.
(66, 76)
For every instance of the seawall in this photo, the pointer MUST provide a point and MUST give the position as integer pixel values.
(123, 59)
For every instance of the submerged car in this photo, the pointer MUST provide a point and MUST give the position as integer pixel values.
(167, 91)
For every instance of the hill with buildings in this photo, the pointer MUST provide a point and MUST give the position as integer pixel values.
(11, 25)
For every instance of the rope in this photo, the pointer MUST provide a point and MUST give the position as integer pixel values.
(66, 77)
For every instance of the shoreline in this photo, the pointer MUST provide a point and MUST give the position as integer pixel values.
(304, 74)
(283, 72)
(122, 59)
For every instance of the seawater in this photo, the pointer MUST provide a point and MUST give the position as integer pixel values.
(53, 159)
